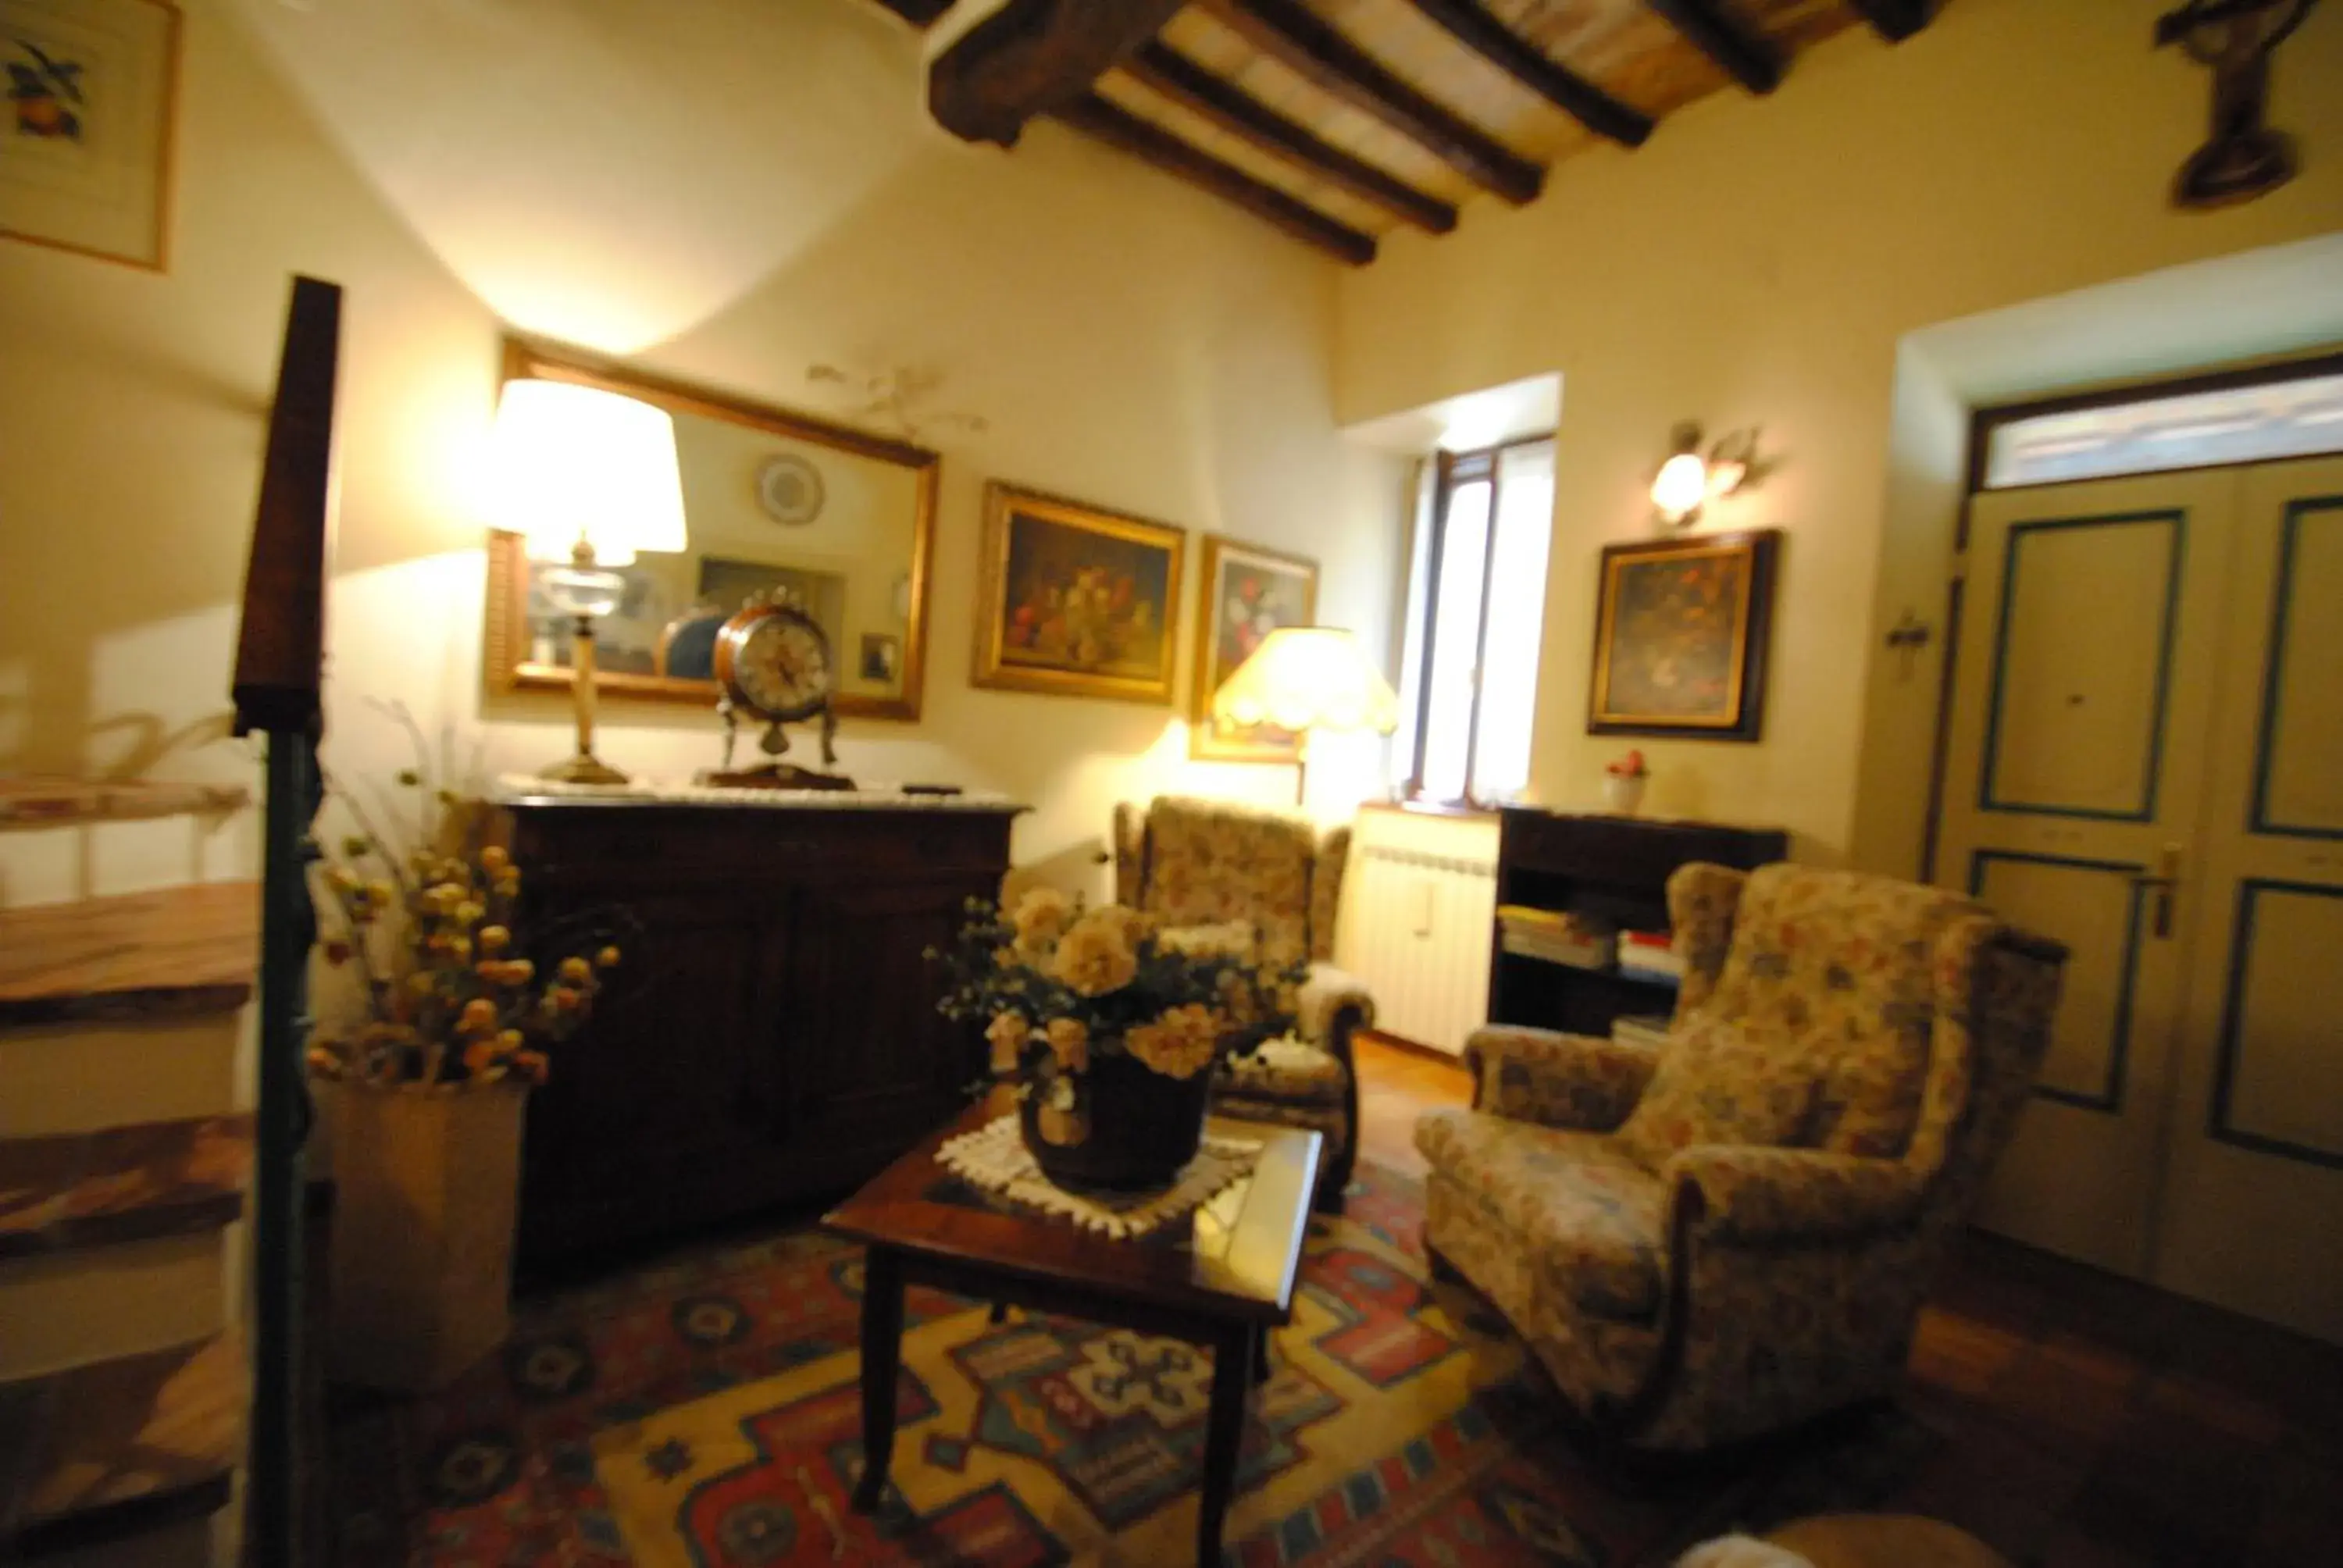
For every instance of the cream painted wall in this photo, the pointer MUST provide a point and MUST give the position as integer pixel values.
(1758, 262)
(1129, 340)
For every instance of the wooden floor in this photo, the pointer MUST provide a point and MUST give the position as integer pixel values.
(2092, 1423)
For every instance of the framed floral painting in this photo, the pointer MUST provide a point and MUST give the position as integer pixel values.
(1076, 600)
(85, 125)
(1680, 636)
(1249, 592)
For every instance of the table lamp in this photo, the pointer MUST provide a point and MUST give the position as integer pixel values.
(588, 478)
(1306, 678)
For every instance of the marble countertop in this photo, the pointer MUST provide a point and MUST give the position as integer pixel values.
(523, 789)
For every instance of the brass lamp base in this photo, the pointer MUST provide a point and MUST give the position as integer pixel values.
(583, 769)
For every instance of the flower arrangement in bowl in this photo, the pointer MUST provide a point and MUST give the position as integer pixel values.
(1622, 782)
(1116, 1026)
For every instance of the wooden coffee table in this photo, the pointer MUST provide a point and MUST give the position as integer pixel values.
(1221, 1278)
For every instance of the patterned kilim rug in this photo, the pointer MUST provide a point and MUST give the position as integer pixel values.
(703, 1413)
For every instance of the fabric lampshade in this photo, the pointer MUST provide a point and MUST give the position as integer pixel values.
(576, 462)
(1308, 677)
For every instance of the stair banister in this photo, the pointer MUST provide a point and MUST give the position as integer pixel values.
(279, 667)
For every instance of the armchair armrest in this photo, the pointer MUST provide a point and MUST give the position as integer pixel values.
(1326, 997)
(1742, 1194)
(1573, 1081)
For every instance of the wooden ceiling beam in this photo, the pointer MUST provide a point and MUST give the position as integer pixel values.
(1106, 122)
(1472, 25)
(1033, 56)
(1894, 20)
(1744, 55)
(1178, 78)
(1299, 39)
(918, 12)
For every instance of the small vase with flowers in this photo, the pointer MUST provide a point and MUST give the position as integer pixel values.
(1623, 783)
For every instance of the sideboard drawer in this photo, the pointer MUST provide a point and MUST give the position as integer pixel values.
(751, 843)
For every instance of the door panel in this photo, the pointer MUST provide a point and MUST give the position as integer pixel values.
(2099, 904)
(695, 971)
(2298, 752)
(2085, 640)
(875, 1061)
(2253, 1212)
(2069, 780)
(2278, 1074)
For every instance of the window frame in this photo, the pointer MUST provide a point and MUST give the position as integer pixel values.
(1451, 470)
(1984, 420)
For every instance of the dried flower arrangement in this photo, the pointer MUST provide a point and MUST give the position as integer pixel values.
(445, 995)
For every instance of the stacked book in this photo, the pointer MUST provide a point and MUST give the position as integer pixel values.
(1647, 1031)
(1555, 937)
(1650, 955)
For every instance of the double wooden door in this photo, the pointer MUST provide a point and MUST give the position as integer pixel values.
(2147, 762)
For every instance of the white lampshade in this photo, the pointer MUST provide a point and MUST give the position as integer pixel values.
(1308, 677)
(577, 462)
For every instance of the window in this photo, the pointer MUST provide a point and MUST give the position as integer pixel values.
(1476, 604)
(2254, 423)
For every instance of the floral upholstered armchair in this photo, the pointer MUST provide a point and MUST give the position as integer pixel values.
(1265, 880)
(1735, 1231)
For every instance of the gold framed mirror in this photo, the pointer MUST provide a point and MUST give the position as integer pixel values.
(843, 518)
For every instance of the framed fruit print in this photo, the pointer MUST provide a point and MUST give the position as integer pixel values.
(1680, 634)
(1076, 600)
(1248, 593)
(86, 126)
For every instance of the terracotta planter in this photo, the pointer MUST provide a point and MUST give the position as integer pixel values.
(427, 1186)
(1130, 1128)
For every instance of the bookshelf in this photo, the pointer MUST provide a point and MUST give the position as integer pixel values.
(1610, 868)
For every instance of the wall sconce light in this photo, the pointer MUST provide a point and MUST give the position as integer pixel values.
(1688, 481)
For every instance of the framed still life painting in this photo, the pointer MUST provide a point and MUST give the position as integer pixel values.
(1248, 593)
(85, 125)
(1076, 601)
(1680, 634)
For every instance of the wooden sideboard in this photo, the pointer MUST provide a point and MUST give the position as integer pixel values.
(771, 1037)
(1614, 869)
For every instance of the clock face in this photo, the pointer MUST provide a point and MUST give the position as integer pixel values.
(779, 666)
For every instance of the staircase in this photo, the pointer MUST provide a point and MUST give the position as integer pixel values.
(153, 1012)
(126, 1150)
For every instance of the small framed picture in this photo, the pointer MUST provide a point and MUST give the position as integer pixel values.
(86, 126)
(1680, 634)
(882, 655)
(1076, 600)
(1249, 592)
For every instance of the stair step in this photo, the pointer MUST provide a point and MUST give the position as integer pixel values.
(119, 1448)
(46, 800)
(79, 1190)
(178, 951)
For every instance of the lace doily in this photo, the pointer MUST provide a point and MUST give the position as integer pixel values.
(995, 1159)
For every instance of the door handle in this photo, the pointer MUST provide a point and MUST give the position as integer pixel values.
(2165, 880)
